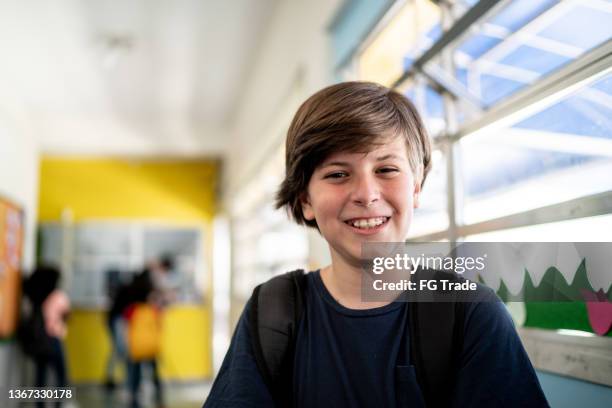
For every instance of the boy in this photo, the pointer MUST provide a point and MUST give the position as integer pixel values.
(357, 156)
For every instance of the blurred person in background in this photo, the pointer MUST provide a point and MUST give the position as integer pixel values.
(134, 322)
(42, 331)
(154, 283)
(120, 298)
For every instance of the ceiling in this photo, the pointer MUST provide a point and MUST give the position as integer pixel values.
(130, 77)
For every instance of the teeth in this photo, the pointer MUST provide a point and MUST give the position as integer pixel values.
(368, 223)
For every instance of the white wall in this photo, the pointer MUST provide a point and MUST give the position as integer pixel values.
(293, 62)
(19, 175)
(18, 183)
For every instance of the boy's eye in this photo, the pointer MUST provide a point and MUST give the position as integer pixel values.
(388, 170)
(336, 175)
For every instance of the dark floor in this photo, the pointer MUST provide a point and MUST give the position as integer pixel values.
(176, 396)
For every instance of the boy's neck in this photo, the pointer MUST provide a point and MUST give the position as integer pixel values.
(343, 282)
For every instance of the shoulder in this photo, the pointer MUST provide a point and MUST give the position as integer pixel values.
(287, 279)
(57, 298)
(485, 307)
(239, 382)
(278, 302)
(488, 325)
(494, 368)
(280, 292)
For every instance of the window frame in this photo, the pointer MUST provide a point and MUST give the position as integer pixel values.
(545, 91)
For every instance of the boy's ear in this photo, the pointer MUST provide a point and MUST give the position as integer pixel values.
(307, 210)
(416, 194)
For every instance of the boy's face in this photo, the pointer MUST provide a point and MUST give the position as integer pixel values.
(359, 197)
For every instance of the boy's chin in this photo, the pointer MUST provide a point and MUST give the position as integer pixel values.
(382, 238)
(351, 256)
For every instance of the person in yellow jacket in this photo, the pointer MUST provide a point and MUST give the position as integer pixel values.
(148, 294)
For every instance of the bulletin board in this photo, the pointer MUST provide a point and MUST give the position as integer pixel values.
(11, 249)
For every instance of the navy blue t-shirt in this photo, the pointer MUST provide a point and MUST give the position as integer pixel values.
(353, 358)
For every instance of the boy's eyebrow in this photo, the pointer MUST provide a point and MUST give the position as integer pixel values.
(335, 163)
(388, 156)
(347, 164)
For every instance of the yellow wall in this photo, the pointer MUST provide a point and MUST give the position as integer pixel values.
(185, 344)
(166, 190)
(179, 192)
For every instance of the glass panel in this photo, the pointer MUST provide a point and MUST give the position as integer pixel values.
(526, 40)
(106, 254)
(266, 243)
(103, 239)
(89, 278)
(184, 246)
(50, 244)
(273, 249)
(428, 102)
(407, 33)
(431, 216)
(159, 242)
(590, 229)
(558, 154)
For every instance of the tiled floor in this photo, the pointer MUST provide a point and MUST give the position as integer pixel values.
(176, 396)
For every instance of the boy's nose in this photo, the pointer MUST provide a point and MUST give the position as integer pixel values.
(366, 192)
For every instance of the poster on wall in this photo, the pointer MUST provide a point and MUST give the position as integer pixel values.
(11, 241)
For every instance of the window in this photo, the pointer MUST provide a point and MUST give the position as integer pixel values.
(97, 256)
(429, 103)
(524, 41)
(587, 229)
(557, 154)
(265, 242)
(431, 216)
(518, 98)
(384, 59)
(513, 151)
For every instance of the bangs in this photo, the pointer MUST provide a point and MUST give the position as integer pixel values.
(353, 117)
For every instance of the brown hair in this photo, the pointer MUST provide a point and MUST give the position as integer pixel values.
(353, 117)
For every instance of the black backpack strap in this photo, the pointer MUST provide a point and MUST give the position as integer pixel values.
(436, 342)
(276, 307)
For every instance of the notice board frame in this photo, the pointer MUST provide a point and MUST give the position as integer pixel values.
(11, 261)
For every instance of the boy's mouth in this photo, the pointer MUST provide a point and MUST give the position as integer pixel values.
(367, 223)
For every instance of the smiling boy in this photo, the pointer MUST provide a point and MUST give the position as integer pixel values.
(357, 156)
(358, 197)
